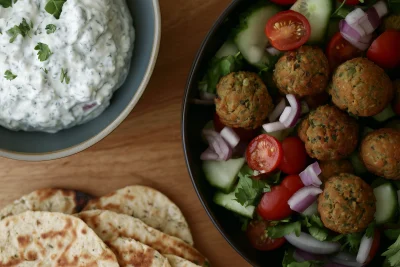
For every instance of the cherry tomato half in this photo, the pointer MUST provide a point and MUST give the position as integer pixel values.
(244, 134)
(288, 30)
(351, 2)
(385, 51)
(264, 153)
(273, 205)
(294, 156)
(374, 247)
(284, 2)
(339, 50)
(259, 239)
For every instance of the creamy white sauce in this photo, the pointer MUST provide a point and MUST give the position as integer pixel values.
(93, 43)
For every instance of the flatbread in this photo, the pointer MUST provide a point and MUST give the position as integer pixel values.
(109, 226)
(51, 239)
(176, 261)
(131, 253)
(48, 199)
(148, 205)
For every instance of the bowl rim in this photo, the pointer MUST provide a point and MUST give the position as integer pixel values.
(185, 103)
(113, 125)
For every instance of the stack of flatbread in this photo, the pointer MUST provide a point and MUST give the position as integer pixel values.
(135, 226)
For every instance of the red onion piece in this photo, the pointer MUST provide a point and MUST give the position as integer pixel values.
(345, 259)
(303, 198)
(373, 17)
(381, 8)
(218, 144)
(366, 25)
(209, 154)
(273, 51)
(365, 248)
(285, 114)
(273, 127)
(309, 244)
(295, 111)
(229, 135)
(277, 111)
(89, 106)
(355, 16)
(310, 175)
(353, 35)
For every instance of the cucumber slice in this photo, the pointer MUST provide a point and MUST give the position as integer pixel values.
(223, 174)
(385, 115)
(386, 203)
(318, 13)
(229, 48)
(280, 135)
(228, 201)
(250, 37)
(359, 167)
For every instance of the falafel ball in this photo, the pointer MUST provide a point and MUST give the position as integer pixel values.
(302, 72)
(347, 204)
(243, 100)
(334, 167)
(329, 133)
(381, 154)
(361, 87)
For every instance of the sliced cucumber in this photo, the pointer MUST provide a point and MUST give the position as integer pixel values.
(229, 48)
(223, 174)
(385, 115)
(250, 37)
(229, 202)
(386, 203)
(318, 13)
(280, 135)
(359, 167)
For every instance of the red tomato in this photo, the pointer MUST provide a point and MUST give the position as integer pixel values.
(244, 134)
(288, 30)
(340, 50)
(351, 2)
(264, 153)
(273, 205)
(284, 2)
(259, 239)
(385, 51)
(314, 101)
(375, 246)
(294, 158)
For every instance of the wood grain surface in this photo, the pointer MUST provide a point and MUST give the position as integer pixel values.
(146, 148)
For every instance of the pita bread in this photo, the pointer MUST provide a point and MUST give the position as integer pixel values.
(131, 253)
(148, 205)
(51, 239)
(109, 226)
(49, 199)
(176, 261)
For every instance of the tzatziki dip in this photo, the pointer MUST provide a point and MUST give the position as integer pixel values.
(61, 61)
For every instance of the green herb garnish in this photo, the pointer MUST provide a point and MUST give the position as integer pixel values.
(54, 7)
(44, 51)
(9, 75)
(23, 28)
(64, 76)
(7, 3)
(51, 28)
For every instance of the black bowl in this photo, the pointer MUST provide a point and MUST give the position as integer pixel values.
(194, 118)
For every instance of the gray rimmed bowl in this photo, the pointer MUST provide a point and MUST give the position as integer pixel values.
(36, 146)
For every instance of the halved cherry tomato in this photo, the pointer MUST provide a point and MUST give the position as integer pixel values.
(264, 153)
(314, 101)
(339, 50)
(273, 205)
(374, 247)
(259, 239)
(288, 30)
(385, 51)
(284, 2)
(244, 134)
(294, 156)
(351, 2)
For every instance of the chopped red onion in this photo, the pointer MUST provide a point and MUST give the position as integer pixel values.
(209, 154)
(353, 35)
(309, 244)
(277, 111)
(381, 8)
(345, 259)
(218, 144)
(229, 135)
(295, 112)
(273, 127)
(355, 16)
(311, 210)
(285, 114)
(310, 175)
(365, 248)
(273, 51)
(89, 106)
(304, 198)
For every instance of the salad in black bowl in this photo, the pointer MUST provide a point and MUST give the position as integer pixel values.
(291, 131)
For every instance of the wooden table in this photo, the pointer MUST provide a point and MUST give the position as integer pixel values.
(146, 148)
